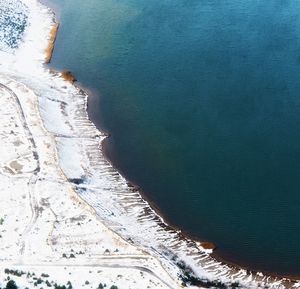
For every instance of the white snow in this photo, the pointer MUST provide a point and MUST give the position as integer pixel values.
(66, 211)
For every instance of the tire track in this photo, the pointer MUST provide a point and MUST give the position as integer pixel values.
(34, 177)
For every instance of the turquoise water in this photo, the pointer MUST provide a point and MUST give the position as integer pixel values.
(202, 100)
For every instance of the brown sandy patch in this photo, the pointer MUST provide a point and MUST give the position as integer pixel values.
(50, 47)
(208, 245)
(68, 76)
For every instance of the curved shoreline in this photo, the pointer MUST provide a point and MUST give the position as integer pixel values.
(205, 244)
(45, 196)
(155, 211)
(45, 225)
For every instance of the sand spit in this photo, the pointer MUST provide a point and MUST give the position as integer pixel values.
(66, 214)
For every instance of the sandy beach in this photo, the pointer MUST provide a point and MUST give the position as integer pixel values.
(67, 217)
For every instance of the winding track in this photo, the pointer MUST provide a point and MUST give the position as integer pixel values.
(34, 177)
(106, 265)
(100, 261)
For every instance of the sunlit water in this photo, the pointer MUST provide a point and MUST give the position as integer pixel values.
(202, 100)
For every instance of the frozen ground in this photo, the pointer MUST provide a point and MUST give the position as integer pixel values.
(48, 235)
(45, 227)
(65, 213)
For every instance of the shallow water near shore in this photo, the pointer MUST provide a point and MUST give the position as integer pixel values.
(202, 102)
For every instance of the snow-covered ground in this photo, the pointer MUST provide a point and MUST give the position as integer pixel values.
(45, 227)
(66, 216)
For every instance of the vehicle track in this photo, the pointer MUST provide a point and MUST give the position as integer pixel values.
(34, 177)
(99, 265)
(97, 261)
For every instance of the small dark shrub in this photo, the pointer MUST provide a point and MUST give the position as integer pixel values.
(11, 284)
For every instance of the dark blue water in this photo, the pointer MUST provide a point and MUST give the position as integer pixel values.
(202, 100)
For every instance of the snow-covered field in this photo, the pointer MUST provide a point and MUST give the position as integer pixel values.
(66, 216)
(45, 227)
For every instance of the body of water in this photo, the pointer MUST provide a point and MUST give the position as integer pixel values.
(202, 100)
